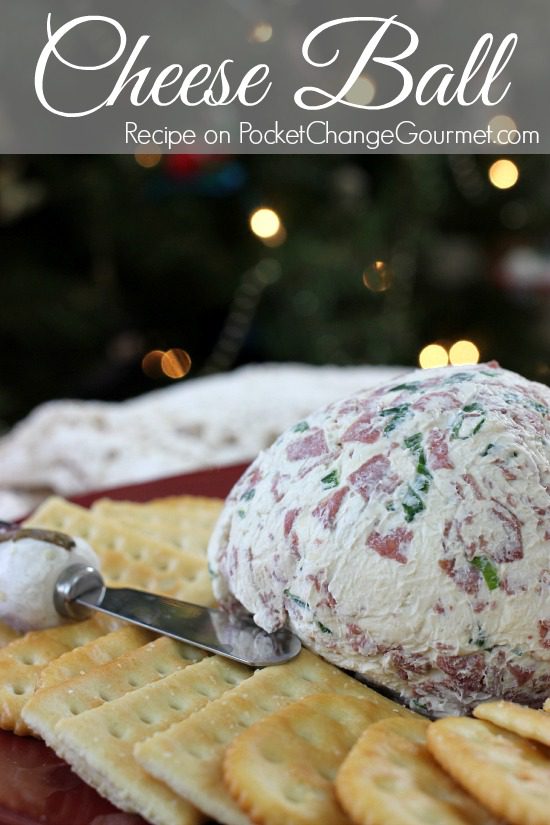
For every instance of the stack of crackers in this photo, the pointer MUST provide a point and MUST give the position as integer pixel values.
(163, 730)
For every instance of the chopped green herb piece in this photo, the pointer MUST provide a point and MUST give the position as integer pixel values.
(536, 405)
(414, 442)
(295, 599)
(490, 373)
(396, 414)
(479, 639)
(300, 427)
(412, 386)
(330, 480)
(459, 377)
(241, 513)
(416, 705)
(487, 570)
(249, 494)
(470, 421)
(323, 628)
(412, 504)
(487, 450)
(212, 572)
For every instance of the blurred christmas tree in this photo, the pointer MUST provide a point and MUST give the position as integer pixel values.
(363, 260)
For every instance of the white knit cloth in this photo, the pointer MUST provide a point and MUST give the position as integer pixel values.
(68, 447)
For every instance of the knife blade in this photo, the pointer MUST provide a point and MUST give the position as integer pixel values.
(80, 589)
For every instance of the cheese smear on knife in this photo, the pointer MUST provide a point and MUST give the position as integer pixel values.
(29, 569)
(404, 533)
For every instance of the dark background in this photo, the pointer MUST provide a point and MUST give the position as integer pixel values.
(103, 258)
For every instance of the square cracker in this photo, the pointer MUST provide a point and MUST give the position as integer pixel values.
(106, 683)
(128, 557)
(184, 521)
(22, 661)
(99, 743)
(79, 661)
(189, 757)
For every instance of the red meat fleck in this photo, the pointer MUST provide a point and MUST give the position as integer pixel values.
(362, 430)
(467, 672)
(511, 548)
(467, 577)
(392, 545)
(544, 633)
(438, 451)
(412, 665)
(313, 444)
(439, 607)
(521, 674)
(290, 518)
(327, 510)
(254, 476)
(441, 400)
(276, 492)
(321, 586)
(373, 474)
(470, 480)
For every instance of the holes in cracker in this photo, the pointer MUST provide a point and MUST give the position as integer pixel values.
(146, 719)
(105, 696)
(19, 690)
(223, 736)
(210, 694)
(28, 659)
(294, 793)
(270, 754)
(164, 670)
(134, 682)
(115, 731)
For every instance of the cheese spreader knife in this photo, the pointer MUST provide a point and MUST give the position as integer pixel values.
(80, 590)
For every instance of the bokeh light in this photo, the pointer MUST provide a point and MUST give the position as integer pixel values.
(151, 364)
(175, 363)
(147, 160)
(378, 277)
(265, 223)
(362, 92)
(463, 352)
(503, 173)
(261, 33)
(501, 123)
(433, 355)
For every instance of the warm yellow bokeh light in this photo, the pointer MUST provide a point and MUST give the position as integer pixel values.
(503, 173)
(463, 352)
(265, 223)
(378, 277)
(175, 363)
(362, 92)
(151, 364)
(433, 355)
(147, 161)
(261, 33)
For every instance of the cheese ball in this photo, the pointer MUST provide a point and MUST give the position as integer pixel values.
(404, 534)
(29, 569)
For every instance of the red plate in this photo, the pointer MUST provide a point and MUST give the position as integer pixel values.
(38, 788)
